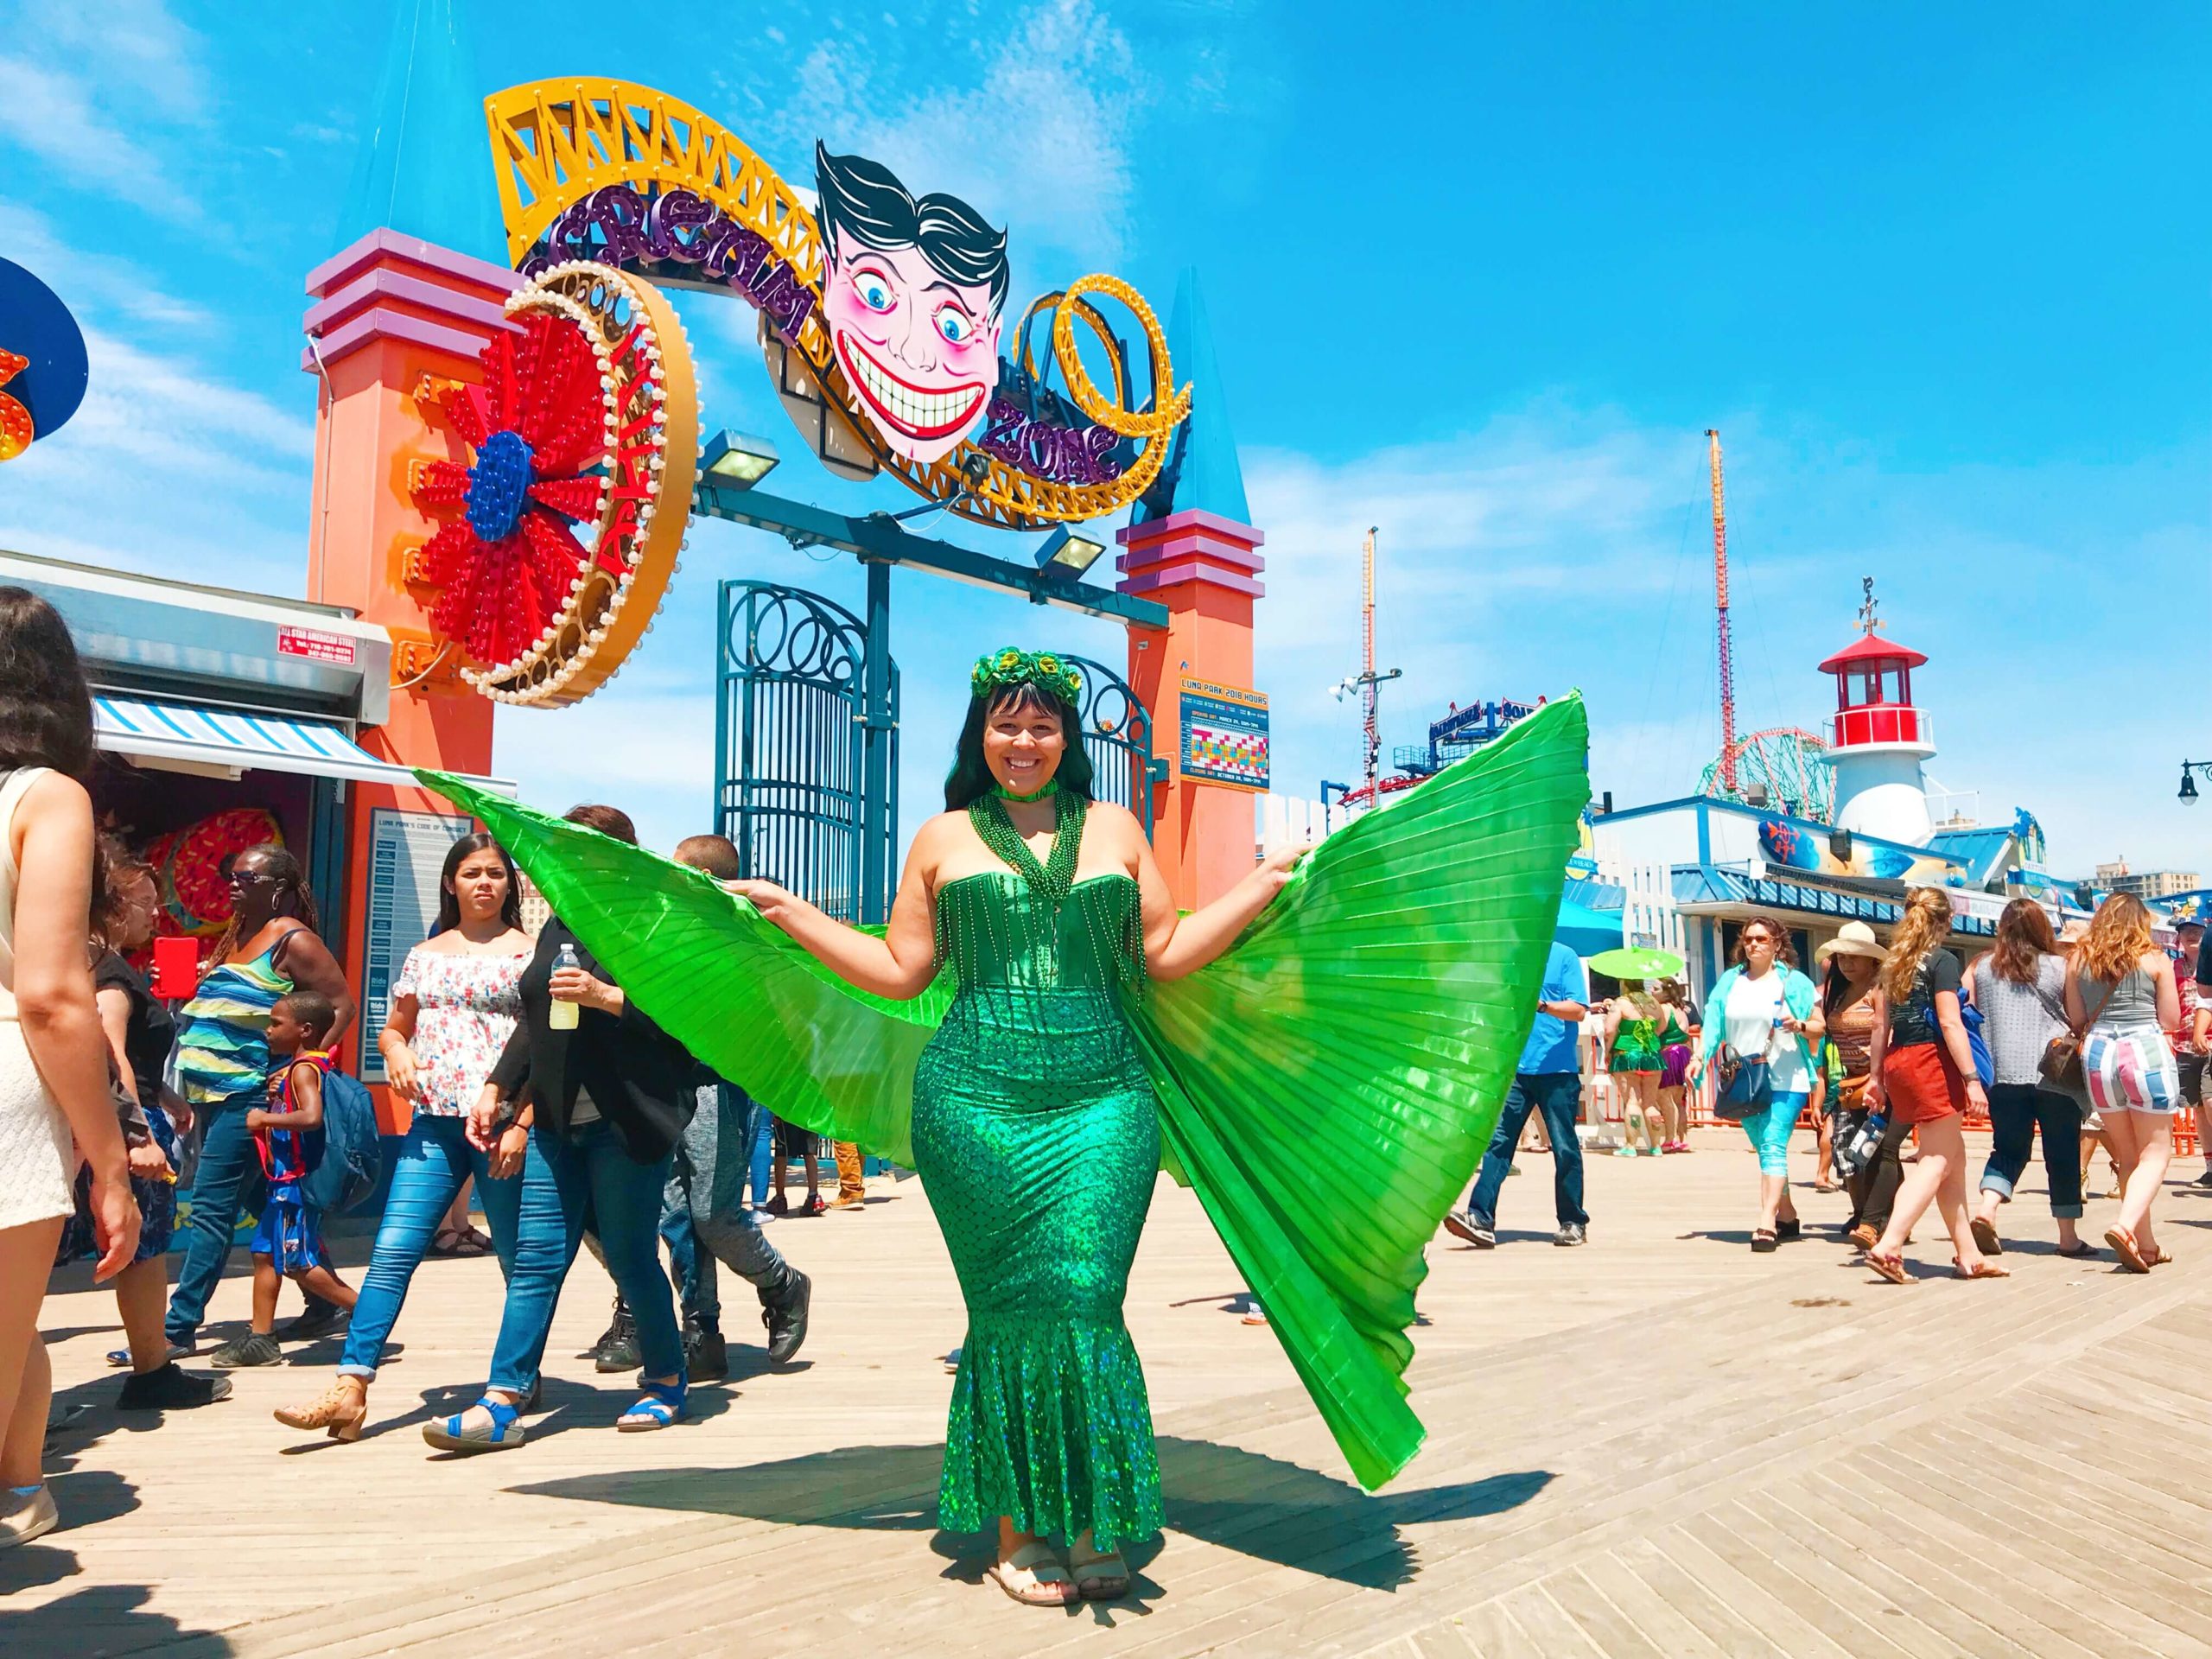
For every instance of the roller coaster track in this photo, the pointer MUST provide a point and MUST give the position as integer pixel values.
(555, 142)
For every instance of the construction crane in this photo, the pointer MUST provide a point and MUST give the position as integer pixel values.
(1720, 611)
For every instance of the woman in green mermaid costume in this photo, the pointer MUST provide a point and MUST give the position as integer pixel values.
(1632, 1035)
(1038, 1033)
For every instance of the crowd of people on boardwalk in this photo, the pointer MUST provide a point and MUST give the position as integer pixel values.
(2098, 1040)
(108, 1097)
(531, 1077)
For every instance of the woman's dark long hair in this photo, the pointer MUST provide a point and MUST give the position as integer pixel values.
(2023, 938)
(449, 901)
(1837, 993)
(293, 897)
(970, 778)
(46, 710)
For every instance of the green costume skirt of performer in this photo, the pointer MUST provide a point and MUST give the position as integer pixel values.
(1326, 1087)
(1636, 1046)
(1037, 1138)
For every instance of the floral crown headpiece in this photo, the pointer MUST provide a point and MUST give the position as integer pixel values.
(1008, 666)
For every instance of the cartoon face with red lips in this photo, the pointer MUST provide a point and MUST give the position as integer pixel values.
(911, 295)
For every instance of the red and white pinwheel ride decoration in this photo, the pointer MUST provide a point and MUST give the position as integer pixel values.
(583, 440)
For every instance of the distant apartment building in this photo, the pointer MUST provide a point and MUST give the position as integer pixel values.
(2116, 877)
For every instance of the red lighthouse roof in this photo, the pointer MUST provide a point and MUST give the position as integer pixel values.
(1869, 649)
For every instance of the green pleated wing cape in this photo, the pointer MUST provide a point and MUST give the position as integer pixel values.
(1327, 1086)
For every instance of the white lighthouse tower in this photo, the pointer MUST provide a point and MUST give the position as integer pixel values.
(1879, 740)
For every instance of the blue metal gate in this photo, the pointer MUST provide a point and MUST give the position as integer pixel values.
(790, 789)
(1117, 735)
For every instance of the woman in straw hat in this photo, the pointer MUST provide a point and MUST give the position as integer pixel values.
(1849, 963)
(2020, 985)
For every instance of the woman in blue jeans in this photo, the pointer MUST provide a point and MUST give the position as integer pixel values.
(1763, 1009)
(222, 1068)
(2019, 986)
(604, 1095)
(453, 1008)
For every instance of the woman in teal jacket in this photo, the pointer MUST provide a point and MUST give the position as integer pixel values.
(1763, 1008)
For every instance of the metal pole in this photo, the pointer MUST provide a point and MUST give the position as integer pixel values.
(722, 767)
(1720, 605)
(1372, 725)
(876, 736)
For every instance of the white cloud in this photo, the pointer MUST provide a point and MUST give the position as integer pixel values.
(138, 47)
(91, 282)
(1041, 135)
(84, 81)
(1557, 547)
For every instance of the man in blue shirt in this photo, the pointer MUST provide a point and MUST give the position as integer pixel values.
(1549, 1080)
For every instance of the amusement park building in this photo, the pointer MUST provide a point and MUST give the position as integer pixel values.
(1686, 873)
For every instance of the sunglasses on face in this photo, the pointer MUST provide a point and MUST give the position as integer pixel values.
(250, 879)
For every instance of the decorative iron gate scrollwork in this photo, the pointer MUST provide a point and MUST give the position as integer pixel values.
(789, 708)
(1117, 734)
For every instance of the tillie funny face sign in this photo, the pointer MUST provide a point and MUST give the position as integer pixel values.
(889, 307)
(913, 294)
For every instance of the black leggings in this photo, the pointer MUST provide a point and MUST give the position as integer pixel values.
(1875, 1189)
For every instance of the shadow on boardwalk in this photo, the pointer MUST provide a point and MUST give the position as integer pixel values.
(1259, 1506)
(98, 1622)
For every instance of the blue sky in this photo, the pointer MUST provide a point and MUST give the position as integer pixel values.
(1481, 277)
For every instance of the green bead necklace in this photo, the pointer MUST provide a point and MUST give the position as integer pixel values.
(1053, 880)
(1049, 788)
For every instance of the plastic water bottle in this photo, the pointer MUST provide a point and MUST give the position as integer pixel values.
(1865, 1140)
(562, 1016)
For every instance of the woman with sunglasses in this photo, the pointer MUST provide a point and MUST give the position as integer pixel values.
(1763, 1010)
(222, 1066)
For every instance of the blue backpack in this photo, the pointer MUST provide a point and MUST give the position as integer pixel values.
(352, 1151)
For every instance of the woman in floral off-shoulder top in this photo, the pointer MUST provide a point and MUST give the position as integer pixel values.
(452, 1008)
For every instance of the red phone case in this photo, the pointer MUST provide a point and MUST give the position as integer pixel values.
(176, 966)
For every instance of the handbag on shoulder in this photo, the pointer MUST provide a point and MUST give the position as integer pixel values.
(2060, 1065)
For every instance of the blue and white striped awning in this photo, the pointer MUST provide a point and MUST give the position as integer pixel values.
(193, 736)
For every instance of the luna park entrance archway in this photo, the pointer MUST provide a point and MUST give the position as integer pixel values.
(792, 788)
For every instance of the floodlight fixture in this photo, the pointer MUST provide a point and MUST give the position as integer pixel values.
(1066, 554)
(738, 460)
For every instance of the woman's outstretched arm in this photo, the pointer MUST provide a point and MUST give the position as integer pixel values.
(899, 965)
(1177, 945)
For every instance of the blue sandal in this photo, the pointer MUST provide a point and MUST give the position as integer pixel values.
(660, 1405)
(453, 1435)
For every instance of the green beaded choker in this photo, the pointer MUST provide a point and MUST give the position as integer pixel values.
(1051, 787)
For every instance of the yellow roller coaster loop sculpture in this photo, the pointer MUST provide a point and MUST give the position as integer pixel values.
(555, 142)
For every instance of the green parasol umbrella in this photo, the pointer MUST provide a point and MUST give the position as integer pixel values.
(1636, 961)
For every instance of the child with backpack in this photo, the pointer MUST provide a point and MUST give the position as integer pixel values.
(288, 1133)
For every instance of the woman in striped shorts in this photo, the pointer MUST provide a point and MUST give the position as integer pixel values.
(2121, 987)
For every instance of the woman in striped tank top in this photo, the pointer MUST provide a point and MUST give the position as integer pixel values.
(222, 1066)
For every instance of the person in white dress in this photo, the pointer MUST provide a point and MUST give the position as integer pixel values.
(54, 1066)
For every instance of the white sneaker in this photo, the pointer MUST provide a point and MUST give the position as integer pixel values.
(26, 1515)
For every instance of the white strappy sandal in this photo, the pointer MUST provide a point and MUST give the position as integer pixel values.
(1033, 1575)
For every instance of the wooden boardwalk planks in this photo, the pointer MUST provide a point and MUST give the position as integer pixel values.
(1659, 1444)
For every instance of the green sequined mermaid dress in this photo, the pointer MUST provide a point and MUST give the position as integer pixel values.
(1037, 1138)
(1326, 1087)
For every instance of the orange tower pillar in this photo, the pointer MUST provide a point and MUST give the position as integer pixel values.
(1200, 559)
